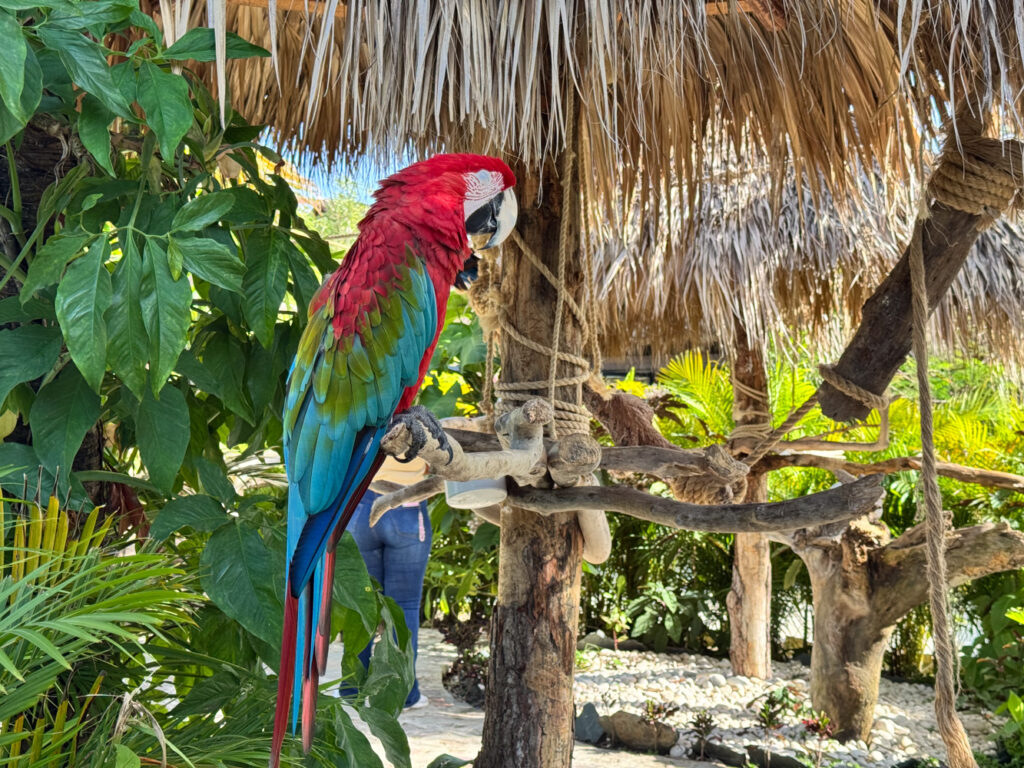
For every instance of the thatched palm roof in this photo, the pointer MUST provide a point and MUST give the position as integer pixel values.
(791, 272)
(813, 83)
(815, 89)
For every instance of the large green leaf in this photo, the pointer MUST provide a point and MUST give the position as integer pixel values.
(352, 586)
(50, 260)
(199, 512)
(265, 281)
(212, 261)
(235, 567)
(128, 347)
(83, 296)
(12, 64)
(198, 44)
(93, 123)
(386, 728)
(202, 211)
(166, 312)
(31, 93)
(78, 15)
(358, 750)
(164, 97)
(26, 353)
(161, 427)
(86, 62)
(62, 413)
(391, 674)
(224, 359)
(125, 758)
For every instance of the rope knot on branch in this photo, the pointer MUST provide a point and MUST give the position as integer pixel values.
(978, 175)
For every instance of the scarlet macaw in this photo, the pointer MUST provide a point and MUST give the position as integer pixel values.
(372, 330)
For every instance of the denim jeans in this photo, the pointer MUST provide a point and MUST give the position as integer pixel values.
(397, 558)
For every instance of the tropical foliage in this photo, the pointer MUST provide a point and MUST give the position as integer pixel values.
(158, 273)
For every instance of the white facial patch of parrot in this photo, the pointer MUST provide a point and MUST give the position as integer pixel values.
(480, 188)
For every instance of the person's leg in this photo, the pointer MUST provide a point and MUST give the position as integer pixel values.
(371, 547)
(407, 549)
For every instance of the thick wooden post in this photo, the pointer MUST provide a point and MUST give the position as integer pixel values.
(882, 341)
(528, 721)
(750, 598)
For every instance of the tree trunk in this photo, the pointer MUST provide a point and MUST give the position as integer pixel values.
(863, 584)
(749, 601)
(529, 717)
(849, 641)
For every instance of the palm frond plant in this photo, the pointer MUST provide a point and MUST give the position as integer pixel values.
(76, 614)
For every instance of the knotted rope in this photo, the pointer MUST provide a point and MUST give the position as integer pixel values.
(979, 177)
(485, 297)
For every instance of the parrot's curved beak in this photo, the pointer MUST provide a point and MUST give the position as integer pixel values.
(495, 219)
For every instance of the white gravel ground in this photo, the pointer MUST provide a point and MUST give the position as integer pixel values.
(904, 719)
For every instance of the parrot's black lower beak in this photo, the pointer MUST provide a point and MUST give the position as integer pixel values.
(468, 273)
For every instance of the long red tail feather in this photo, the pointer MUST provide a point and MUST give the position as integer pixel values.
(323, 630)
(284, 677)
(309, 687)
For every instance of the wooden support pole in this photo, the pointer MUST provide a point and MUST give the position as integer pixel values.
(882, 340)
(749, 600)
(528, 712)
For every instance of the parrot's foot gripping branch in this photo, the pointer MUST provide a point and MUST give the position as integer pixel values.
(419, 424)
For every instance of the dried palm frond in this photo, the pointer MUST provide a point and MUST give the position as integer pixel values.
(811, 83)
(793, 273)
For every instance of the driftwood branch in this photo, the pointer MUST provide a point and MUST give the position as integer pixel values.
(843, 503)
(986, 477)
(970, 554)
(395, 495)
(661, 462)
(523, 460)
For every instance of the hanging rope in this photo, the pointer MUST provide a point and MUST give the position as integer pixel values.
(958, 747)
(485, 297)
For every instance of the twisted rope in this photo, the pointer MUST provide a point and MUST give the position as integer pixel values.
(977, 177)
(958, 748)
(485, 297)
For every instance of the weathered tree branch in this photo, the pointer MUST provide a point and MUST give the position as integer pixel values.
(395, 495)
(986, 477)
(843, 503)
(970, 554)
(661, 462)
(523, 460)
(882, 340)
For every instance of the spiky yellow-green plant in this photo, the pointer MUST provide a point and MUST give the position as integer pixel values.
(70, 606)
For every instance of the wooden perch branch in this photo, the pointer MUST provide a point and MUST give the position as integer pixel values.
(523, 460)
(843, 503)
(662, 462)
(970, 554)
(986, 477)
(395, 495)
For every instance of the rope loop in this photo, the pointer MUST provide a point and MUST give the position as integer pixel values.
(978, 175)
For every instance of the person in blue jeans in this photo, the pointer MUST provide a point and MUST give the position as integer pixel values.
(396, 551)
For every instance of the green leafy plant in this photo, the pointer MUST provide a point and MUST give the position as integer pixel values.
(77, 616)
(822, 728)
(157, 290)
(703, 725)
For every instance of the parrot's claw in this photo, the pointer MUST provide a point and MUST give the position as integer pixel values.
(420, 422)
